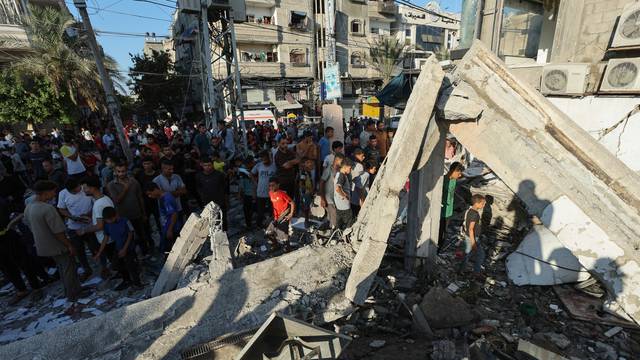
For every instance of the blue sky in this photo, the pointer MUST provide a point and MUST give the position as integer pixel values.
(109, 15)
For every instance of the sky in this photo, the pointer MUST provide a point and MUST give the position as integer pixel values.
(110, 15)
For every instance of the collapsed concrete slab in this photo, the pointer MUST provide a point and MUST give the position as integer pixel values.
(192, 236)
(541, 259)
(544, 156)
(379, 211)
(164, 326)
(425, 199)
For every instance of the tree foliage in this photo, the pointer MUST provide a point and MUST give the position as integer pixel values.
(155, 82)
(61, 55)
(386, 55)
(30, 100)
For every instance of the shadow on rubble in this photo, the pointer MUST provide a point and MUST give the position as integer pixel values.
(228, 311)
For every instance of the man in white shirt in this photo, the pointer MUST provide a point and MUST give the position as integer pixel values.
(92, 187)
(262, 172)
(75, 207)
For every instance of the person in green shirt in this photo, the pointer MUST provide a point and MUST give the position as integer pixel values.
(448, 195)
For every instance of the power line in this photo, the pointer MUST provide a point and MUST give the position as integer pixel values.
(125, 13)
(157, 3)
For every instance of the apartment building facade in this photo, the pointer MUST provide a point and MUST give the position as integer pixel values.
(583, 55)
(426, 33)
(13, 38)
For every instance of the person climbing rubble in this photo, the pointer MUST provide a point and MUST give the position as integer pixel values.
(283, 210)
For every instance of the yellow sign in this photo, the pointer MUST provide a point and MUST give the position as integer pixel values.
(371, 108)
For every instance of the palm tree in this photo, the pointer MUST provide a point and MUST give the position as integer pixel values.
(385, 56)
(62, 57)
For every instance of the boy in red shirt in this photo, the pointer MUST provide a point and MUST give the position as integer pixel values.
(283, 210)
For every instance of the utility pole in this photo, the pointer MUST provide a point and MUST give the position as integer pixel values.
(107, 85)
(236, 64)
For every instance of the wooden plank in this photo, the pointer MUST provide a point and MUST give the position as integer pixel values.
(379, 212)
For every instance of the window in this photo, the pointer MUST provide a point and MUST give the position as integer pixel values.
(430, 38)
(319, 7)
(298, 57)
(375, 30)
(407, 33)
(251, 18)
(298, 20)
(521, 28)
(357, 60)
(356, 27)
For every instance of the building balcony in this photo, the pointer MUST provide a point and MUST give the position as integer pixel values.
(13, 37)
(254, 33)
(382, 11)
(275, 70)
(261, 3)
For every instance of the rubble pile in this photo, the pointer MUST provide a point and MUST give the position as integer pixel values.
(488, 318)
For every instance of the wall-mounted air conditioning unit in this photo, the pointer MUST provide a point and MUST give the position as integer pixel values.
(622, 76)
(565, 79)
(628, 30)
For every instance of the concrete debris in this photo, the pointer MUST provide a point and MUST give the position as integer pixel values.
(443, 310)
(420, 321)
(613, 331)
(588, 308)
(377, 344)
(444, 350)
(381, 207)
(192, 236)
(559, 340)
(556, 163)
(541, 259)
(538, 352)
(286, 338)
(163, 326)
(458, 103)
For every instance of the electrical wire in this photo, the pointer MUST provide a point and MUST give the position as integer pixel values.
(157, 3)
(125, 13)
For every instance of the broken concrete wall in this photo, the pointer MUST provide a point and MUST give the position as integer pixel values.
(192, 236)
(379, 211)
(162, 327)
(544, 156)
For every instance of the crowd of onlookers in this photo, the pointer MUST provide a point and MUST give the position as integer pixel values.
(64, 193)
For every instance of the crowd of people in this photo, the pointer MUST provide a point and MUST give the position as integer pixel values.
(71, 200)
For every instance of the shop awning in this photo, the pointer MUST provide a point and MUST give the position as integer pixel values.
(255, 115)
(284, 105)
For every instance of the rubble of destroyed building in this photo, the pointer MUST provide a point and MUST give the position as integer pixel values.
(387, 293)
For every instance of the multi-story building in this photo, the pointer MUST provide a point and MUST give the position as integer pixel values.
(276, 51)
(158, 44)
(13, 38)
(581, 54)
(426, 32)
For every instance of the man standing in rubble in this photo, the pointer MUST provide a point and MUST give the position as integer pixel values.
(472, 232)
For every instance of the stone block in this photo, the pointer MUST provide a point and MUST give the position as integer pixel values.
(442, 310)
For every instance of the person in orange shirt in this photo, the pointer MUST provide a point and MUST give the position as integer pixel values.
(383, 139)
(283, 210)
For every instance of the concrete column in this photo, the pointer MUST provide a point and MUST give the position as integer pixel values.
(425, 199)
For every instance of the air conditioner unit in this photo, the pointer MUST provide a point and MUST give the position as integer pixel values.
(565, 79)
(628, 30)
(621, 76)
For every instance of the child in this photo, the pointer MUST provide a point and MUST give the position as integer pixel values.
(472, 231)
(306, 186)
(342, 195)
(448, 194)
(169, 219)
(247, 191)
(362, 184)
(283, 210)
(218, 163)
(120, 230)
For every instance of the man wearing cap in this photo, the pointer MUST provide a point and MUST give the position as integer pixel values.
(73, 164)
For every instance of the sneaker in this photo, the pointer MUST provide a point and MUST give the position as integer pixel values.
(123, 285)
